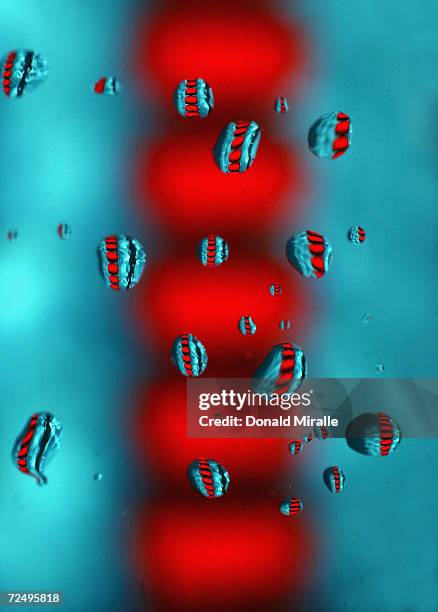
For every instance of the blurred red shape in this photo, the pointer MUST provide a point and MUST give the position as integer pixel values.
(158, 428)
(221, 556)
(178, 180)
(181, 295)
(243, 52)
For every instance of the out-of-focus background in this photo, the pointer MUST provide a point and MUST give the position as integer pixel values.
(373, 60)
(70, 346)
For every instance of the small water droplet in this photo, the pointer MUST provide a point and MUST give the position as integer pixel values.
(275, 289)
(356, 234)
(98, 476)
(285, 324)
(366, 318)
(12, 235)
(64, 231)
(380, 368)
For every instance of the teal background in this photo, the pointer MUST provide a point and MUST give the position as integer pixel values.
(375, 61)
(68, 345)
(65, 341)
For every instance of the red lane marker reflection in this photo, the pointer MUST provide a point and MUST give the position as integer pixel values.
(159, 429)
(210, 555)
(238, 551)
(181, 295)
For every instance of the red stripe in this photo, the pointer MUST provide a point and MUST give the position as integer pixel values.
(99, 87)
(206, 477)
(386, 434)
(316, 248)
(185, 350)
(342, 127)
(237, 141)
(314, 236)
(340, 143)
(6, 81)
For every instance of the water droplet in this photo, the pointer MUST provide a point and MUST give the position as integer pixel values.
(12, 235)
(208, 477)
(246, 325)
(189, 355)
(380, 368)
(330, 136)
(268, 377)
(237, 145)
(281, 105)
(108, 86)
(275, 289)
(23, 70)
(194, 98)
(356, 234)
(366, 318)
(122, 260)
(38, 441)
(373, 434)
(213, 251)
(309, 253)
(334, 479)
(291, 506)
(285, 324)
(98, 476)
(296, 447)
(64, 231)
